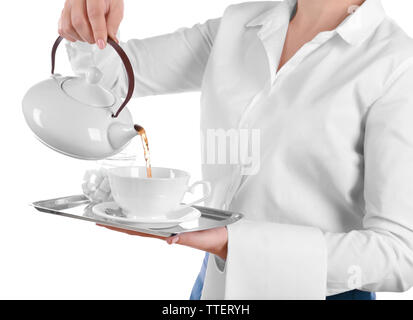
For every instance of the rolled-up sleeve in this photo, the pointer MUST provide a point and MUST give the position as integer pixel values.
(275, 261)
(169, 63)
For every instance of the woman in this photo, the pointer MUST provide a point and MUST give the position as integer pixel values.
(327, 84)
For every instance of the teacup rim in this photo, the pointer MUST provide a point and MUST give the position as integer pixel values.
(185, 173)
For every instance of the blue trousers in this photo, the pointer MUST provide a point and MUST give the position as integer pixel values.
(349, 295)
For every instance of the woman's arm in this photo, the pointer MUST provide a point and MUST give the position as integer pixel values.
(164, 64)
(169, 63)
(380, 257)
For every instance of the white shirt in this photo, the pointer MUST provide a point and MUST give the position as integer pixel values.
(331, 206)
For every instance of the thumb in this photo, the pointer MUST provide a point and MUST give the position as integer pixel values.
(172, 239)
(196, 239)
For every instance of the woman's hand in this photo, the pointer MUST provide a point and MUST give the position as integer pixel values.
(214, 241)
(91, 21)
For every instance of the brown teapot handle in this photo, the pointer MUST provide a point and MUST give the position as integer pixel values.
(126, 62)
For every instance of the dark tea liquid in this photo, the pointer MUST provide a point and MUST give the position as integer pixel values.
(141, 131)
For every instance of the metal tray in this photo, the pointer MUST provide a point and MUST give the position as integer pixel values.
(80, 207)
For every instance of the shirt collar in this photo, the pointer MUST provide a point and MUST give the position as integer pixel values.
(276, 16)
(358, 26)
(355, 29)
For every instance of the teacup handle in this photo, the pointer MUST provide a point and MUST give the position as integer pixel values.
(191, 189)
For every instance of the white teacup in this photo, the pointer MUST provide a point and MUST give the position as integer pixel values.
(140, 196)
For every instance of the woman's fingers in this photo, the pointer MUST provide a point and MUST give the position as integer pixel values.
(91, 20)
(66, 29)
(80, 20)
(96, 14)
(63, 34)
(114, 18)
(198, 239)
(132, 233)
(212, 240)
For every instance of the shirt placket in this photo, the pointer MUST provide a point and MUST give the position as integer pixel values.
(236, 176)
(301, 54)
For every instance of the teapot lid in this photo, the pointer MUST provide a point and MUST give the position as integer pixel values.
(86, 89)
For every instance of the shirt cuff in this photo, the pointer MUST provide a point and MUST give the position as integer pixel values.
(275, 261)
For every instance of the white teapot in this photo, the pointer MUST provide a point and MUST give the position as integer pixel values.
(78, 117)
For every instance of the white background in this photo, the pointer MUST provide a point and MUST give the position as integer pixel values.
(49, 257)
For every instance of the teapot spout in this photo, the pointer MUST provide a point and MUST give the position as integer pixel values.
(120, 134)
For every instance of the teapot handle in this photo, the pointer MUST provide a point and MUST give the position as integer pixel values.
(126, 62)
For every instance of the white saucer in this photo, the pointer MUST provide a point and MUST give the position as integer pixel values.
(110, 210)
